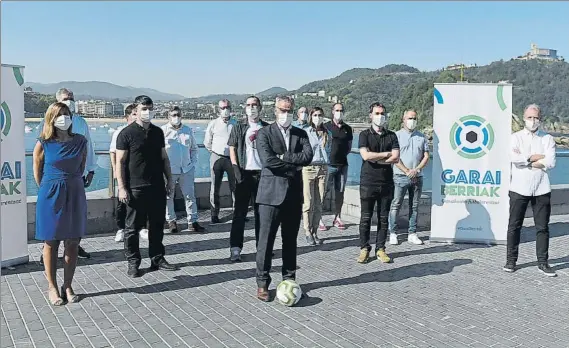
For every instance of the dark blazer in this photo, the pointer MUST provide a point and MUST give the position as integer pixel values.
(279, 176)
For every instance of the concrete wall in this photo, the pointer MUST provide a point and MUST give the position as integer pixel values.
(559, 206)
(101, 208)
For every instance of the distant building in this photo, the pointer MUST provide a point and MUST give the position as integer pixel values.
(28, 90)
(460, 66)
(310, 94)
(540, 53)
(268, 103)
(322, 94)
(96, 108)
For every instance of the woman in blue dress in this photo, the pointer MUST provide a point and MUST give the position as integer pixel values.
(61, 209)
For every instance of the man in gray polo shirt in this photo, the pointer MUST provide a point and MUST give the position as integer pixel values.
(408, 175)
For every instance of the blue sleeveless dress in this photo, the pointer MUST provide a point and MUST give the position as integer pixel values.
(61, 208)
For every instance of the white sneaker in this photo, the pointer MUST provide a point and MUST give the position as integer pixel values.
(144, 234)
(393, 239)
(413, 239)
(119, 237)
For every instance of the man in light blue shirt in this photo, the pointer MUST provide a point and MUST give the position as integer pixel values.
(408, 175)
(78, 126)
(182, 150)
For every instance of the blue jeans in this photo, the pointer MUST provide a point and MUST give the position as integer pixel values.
(336, 178)
(403, 185)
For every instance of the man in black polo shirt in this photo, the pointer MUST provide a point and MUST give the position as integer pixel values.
(247, 170)
(341, 146)
(379, 149)
(143, 163)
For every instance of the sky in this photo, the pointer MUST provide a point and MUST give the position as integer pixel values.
(201, 48)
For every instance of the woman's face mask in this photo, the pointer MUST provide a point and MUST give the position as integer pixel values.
(62, 122)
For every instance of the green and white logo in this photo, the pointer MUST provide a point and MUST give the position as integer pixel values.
(5, 119)
(471, 137)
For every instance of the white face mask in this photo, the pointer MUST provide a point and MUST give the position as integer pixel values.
(316, 120)
(302, 116)
(62, 122)
(284, 119)
(176, 120)
(411, 124)
(252, 112)
(225, 114)
(146, 115)
(338, 115)
(70, 104)
(532, 124)
(379, 120)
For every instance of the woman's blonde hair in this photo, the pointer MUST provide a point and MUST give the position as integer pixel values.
(53, 111)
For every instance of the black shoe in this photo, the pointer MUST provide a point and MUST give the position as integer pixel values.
(41, 260)
(310, 240)
(196, 228)
(246, 219)
(545, 269)
(133, 271)
(316, 239)
(510, 266)
(82, 253)
(215, 220)
(163, 265)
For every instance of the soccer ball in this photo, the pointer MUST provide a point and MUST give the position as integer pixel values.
(288, 293)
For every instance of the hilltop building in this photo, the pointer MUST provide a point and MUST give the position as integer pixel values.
(540, 53)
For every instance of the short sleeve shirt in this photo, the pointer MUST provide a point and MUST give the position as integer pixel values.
(342, 136)
(373, 173)
(413, 146)
(144, 164)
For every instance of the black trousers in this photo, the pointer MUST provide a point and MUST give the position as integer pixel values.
(146, 204)
(382, 195)
(220, 165)
(287, 216)
(120, 215)
(245, 191)
(541, 206)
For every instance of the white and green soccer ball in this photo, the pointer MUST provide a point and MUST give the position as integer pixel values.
(289, 292)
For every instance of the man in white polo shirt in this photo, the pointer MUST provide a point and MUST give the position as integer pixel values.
(182, 150)
(532, 155)
(215, 141)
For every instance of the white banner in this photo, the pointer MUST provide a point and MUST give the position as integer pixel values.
(13, 212)
(471, 164)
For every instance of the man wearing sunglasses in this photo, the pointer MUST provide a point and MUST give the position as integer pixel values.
(215, 141)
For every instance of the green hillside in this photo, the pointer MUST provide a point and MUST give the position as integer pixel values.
(400, 87)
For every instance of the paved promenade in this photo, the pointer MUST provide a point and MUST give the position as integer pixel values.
(431, 296)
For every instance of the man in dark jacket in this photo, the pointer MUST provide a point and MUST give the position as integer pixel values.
(283, 151)
(247, 169)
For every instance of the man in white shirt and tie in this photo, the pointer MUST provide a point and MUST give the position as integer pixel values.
(182, 150)
(215, 141)
(79, 126)
(532, 155)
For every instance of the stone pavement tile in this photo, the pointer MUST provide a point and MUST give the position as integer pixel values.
(433, 295)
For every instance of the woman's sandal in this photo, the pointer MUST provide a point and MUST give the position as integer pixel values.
(56, 302)
(71, 299)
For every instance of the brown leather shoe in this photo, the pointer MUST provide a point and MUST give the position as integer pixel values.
(263, 294)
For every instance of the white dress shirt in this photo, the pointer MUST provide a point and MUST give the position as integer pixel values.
(216, 136)
(181, 147)
(526, 180)
(286, 135)
(114, 137)
(80, 126)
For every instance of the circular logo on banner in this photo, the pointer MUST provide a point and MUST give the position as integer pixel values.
(5, 119)
(471, 137)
